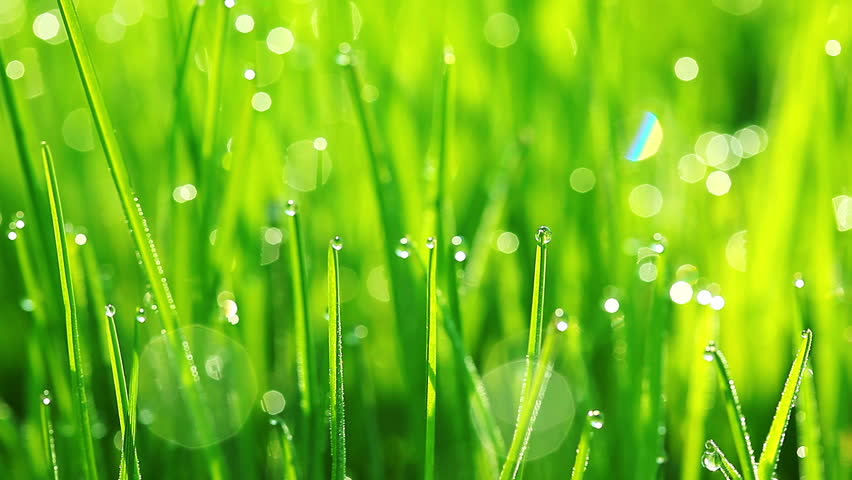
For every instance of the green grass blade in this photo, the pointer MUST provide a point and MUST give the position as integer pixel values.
(305, 356)
(289, 471)
(431, 356)
(542, 238)
(775, 437)
(129, 463)
(214, 83)
(530, 402)
(75, 359)
(335, 365)
(129, 440)
(130, 203)
(594, 422)
(49, 437)
(808, 413)
(715, 460)
(736, 419)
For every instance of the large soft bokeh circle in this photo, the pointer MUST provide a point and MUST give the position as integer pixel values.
(555, 416)
(196, 386)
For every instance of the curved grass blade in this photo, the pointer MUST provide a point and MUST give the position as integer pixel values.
(129, 463)
(736, 419)
(775, 437)
(75, 359)
(289, 471)
(335, 365)
(594, 422)
(808, 414)
(715, 460)
(130, 204)
(431, 356)
(531, 397)
(129, 441)
(49, 437)
(305, 356)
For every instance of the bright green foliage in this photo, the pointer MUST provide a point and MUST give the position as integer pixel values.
(181, 130)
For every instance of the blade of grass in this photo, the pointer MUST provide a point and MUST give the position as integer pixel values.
(49, 437)
(531, 396)
(775, 437)
(305, 356)
(129, 440)
(130, 203)
(75, 359)
(129, 463)
(431, 356)
(808, 415)
(287, 448)
(335, 365)
(715, 460)
(594, 422)
(736, 419)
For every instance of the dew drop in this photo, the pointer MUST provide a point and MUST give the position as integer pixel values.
(403, 249)
(337, 243)
(595, 419)
(710, 460)
(430, 243)
(543, 235)
(140, 315)
(110, 310)
(710, 352)
(292, 208)
(46, 398)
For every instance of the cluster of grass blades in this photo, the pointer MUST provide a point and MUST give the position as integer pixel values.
(762, 468)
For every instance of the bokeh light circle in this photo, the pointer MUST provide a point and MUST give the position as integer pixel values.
(196, 386)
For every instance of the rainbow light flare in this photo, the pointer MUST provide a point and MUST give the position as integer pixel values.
(648, 139)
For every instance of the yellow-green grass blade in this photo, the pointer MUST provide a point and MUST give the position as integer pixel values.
(736, 419)
(305, 356)
(715, 460)
(130, 203)
(129, 463)
(75, 357)
(129, 440)
(775, 437)
(288, 450)
(49, 437)
(335, 365)
(531, 396)
(431, 356)
(807, 414)
(514, 458)
(594, 422)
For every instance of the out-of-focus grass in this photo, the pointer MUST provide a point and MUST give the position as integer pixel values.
(487, 154)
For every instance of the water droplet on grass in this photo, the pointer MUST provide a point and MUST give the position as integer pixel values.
(46, 398)
(595, 419)
(337, 243)
(543, 235)
(403, 249)
(140, 315)
(292, 208)
(711, 460)
(110, 310)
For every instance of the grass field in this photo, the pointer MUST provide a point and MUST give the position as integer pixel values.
(385, 240)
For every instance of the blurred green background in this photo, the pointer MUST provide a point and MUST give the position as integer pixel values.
(539, 90)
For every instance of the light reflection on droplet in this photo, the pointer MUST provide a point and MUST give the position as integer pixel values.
(691, 168)
(244, 23)
(501, 30)
(582, 180)
(648, 272)
(833, 48)
(686, 69)
(611, 305)
(648, 139)
(273, 402)
(261, 101)
(15, 69)
(507, 242)
(280, 40)
(46, 26)
(843, 212)
(646, 200)
(80, 239)
(249, 74)
(320, 143)
(717, 302)
(184, 193)
(681, 292)
(703, 297)
(718, 183)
